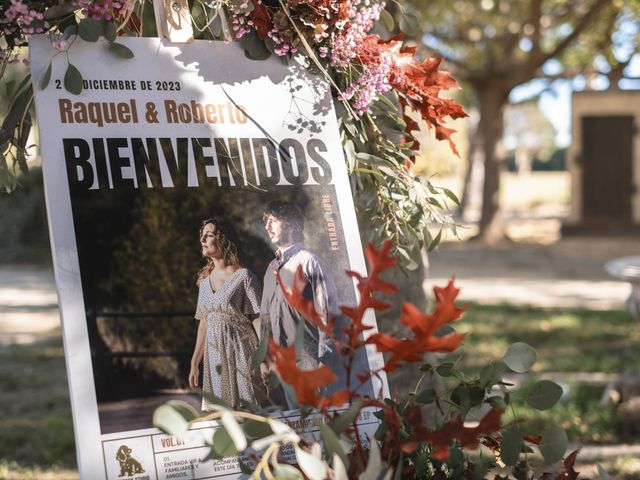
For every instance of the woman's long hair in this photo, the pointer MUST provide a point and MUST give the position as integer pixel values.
(226, 240)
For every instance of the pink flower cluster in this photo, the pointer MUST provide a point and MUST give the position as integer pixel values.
(104, 9)
(346, 43)
(348, 47)
(282, 47)
(372, 81)
(20, 21)
(240, 21)
(339, 35)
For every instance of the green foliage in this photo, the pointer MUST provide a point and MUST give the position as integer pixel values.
(35, 430)
(520, 357)
(24, 235)
(544, 395)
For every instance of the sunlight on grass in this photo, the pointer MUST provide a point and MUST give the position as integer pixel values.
(567, 341)
(36, 430)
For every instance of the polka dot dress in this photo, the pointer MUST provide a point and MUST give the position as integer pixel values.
(231, 339)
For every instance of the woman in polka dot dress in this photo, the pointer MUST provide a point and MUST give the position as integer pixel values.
(228, 304)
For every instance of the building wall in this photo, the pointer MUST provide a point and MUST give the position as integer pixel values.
(623, 102)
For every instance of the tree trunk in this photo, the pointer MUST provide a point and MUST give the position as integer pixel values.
(472, 152)
(492, 99)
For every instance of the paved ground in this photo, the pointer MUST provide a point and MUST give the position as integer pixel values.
(28, 304)
(567, 273)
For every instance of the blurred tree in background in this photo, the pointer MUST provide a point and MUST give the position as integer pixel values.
(528, 134)
(493, 46)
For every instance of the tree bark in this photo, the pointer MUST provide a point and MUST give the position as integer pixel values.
(472, 153)
(492, 98)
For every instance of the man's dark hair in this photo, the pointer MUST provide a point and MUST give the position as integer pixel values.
(288, 214)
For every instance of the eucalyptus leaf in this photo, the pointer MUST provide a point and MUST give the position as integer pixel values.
(332, 442)
(451, 195)
(554, 443)
(372, 159)
(492, 374)
(434, 243)
(374, 465)
(109, 31)
(233, 429)
(312, 467)
(520, 357)
(410, 24)
(511, 445)
(120, 50)
(544, 395)
(426, 396)
(89, 29)
(421, 463)
(339, 469)
(256, 429)
(482, 466)
(261, 352)
(387, 20)
(57, 11)
(46, 77)
(244, 468)
(73, 80)
(445, 369)
(69, 30)
(223, 444)
(185, 409)
(169, 420)
(253, 47)
(340, 423)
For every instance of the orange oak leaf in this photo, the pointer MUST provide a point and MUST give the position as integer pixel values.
(469, 437)
(535, 439)
(568, 472)
(305, 383)
(424, 328)
(419, 86)
(295, 298)
(261, 19)
(378, 261)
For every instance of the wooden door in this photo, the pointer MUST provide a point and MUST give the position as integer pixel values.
(607, 169)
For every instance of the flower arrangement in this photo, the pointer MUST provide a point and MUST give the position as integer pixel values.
(376, 77)
(463, 437)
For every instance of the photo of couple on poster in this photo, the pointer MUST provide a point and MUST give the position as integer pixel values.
(235, 310)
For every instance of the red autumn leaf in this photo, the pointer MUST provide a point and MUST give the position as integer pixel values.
(305, 382)
(420, 86)
(294, 297)
(378, 260)
(261, 19)
(469, 437)
(535, 439)
(568, 472)
(424, 328)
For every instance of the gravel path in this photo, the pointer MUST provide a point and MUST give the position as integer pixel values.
(568, 273)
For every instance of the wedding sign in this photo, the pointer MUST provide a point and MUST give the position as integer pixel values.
(152, 150)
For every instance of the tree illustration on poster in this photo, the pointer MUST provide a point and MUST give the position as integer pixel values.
(136, 253)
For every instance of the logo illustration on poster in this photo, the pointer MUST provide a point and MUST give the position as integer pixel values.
(129, 466)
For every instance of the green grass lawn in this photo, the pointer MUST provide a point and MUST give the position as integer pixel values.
(35, 426)
(567, 341)
(36, 431)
